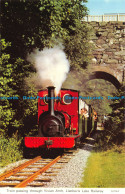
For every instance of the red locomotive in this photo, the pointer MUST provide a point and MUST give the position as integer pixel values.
(58, 120)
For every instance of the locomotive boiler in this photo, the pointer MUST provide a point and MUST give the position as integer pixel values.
(61, 122)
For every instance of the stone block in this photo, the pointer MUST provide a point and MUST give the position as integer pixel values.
(105, 46)
(118, 35)
(105, 56)
(110, 35)
(94, 61)
(112, 61)
(105, 33)
(120, 53)
(100, 41)
(118, 57)
(111, 41)
(99, 49)
(103, 24)
(94, 23)
(118, 31)
(110, 30)
(101, 30)
(115, 46)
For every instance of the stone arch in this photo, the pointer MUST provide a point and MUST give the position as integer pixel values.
(106, 76)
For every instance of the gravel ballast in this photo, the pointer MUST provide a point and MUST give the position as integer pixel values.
(12, 165)
(69, 175)
(72, 172)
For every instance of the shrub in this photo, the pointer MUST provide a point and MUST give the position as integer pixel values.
(9, 150)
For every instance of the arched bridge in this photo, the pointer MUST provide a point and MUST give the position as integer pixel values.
(108, 60)
(105, 76)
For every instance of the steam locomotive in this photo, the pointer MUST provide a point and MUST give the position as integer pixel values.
(63, 120)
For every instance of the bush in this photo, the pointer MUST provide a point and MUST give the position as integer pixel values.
(9, 150)
(114, 126)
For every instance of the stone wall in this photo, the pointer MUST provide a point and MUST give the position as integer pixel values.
(109, 47)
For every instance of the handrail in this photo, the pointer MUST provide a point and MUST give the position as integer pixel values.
(105, 18)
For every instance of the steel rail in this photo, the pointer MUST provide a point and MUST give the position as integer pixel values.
(32, 177)
(19, 168)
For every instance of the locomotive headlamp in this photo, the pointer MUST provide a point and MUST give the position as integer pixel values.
(46, 99)
(67, 99)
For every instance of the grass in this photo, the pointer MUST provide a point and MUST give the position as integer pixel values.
(105, 169)
(9, 151)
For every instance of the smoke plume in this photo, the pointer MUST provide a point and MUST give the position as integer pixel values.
(52, 66)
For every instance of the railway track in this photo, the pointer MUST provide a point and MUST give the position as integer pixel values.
(26, 173)
(35, 172)
(38, 172)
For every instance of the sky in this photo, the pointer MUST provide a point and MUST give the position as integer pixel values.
(99, 7)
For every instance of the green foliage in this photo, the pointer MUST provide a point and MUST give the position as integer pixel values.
(9, 150)
(118, 109)
(40, 23)
(30, 112)
(114, 133)
(10, 87)
(99, 87)
(116, 125)
(44, 23)
(6, 79)
(35, 24)
(78, 47)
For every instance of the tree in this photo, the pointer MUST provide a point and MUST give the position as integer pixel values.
(117, 123)
(42, 23)
(7, 112)
(114, 126)
(38, 24)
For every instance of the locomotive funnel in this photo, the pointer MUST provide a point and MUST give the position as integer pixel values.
(51, 96)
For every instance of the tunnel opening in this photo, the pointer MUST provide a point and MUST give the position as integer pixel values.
(106, 76)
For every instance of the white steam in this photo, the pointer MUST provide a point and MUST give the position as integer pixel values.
(52, 66)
